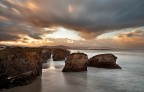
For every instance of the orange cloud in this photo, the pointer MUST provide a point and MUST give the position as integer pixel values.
(28, 41)
(133, 39)
(2, 18)
(32, 6)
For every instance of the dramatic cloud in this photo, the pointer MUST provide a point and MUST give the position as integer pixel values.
(89, 18)
(13, 30)
(97, 16)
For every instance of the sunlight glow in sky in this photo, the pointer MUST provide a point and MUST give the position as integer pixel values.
(78, 23)
(64, 33)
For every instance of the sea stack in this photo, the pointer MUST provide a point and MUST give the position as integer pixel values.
(76, 62)
(60, 54)
(104, 61)
(46, 55)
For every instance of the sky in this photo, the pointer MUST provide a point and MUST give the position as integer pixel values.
(76, 23)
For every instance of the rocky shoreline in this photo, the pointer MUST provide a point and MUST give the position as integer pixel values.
(21, 65)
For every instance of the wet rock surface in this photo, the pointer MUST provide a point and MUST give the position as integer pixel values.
(76, 62)
(60, 54)
(19, 66)
(104, 61)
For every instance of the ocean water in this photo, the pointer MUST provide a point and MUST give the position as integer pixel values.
(128, 79)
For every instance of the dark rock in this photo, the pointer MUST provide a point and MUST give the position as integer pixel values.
(60, 54)
(76, 62)
(104, 61)
(19, 66)
(18, 80)
(46, 55)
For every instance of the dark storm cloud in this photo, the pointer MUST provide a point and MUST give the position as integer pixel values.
(97, 16)
(8, 37)
(88, 17)
(12, 31)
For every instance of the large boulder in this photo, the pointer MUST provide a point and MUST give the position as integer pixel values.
(19, 66)
(60, 54)
(76, 62)
(46, 55)
(104, 61)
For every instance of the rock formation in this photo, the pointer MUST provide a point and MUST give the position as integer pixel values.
(104, 61)
(60, 54)
(19, 66)
(46, 55)
(76, 62)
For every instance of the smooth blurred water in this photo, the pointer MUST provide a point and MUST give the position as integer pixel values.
(129, 79)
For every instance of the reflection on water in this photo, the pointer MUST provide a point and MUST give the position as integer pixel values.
(51, 65)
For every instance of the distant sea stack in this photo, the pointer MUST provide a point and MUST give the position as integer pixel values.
(60, 54)
(104, 61)
(76, 62)
(46, 54)
(19, 66)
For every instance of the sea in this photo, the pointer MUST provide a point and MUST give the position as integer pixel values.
(128, 79)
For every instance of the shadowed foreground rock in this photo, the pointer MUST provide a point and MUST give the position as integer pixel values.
(104, 61)
(60, 54)
(46, 55)
(76, 62)
(19, 66)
